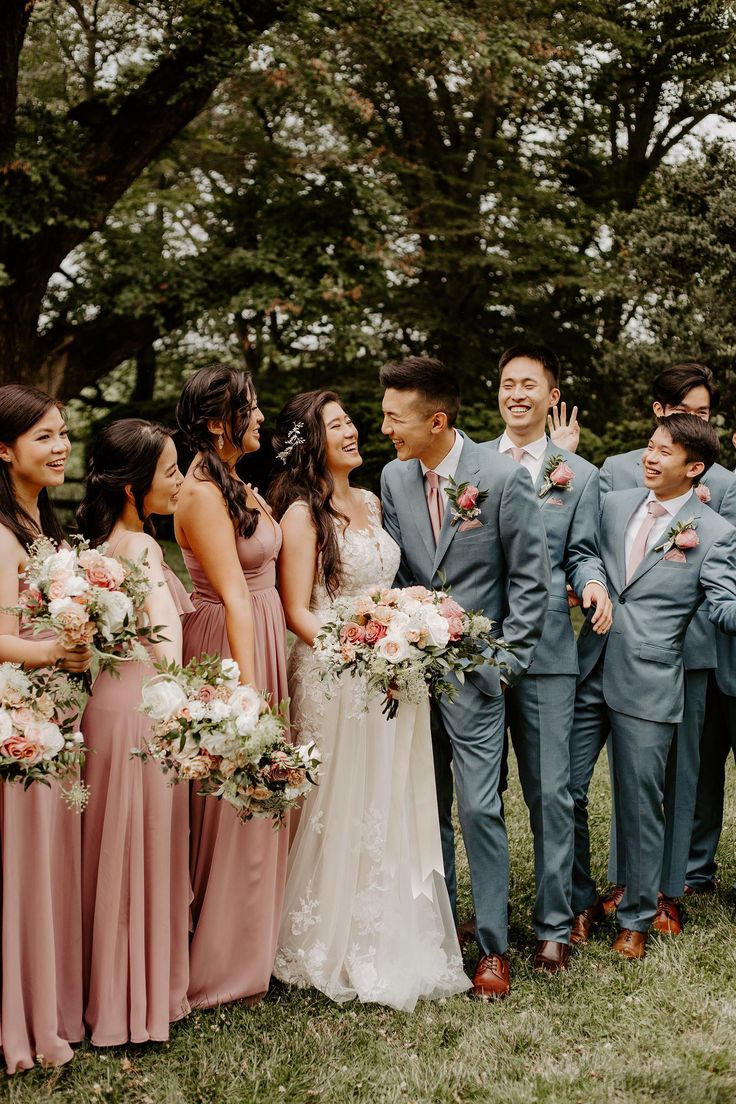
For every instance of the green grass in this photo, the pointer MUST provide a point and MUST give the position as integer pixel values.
(608, 1030)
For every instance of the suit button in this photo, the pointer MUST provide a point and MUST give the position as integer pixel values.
(622, 601)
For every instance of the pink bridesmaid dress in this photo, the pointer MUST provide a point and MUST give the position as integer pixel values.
(238, 870)
(41, 1004)
(135, 869)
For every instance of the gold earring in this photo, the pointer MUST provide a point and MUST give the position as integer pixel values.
(220, 442)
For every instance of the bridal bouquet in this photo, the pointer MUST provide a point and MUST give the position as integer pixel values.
(209, 728)
(87, 598)
(38, 732)
(404, 641)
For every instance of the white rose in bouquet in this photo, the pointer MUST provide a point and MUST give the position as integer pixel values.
(217, 711)
(230, 672)
(162, 698)
(114, 609)
(6, 726)
(57, 606)
(438, 631)
(50, 736)
(394, 649)
(219, 741)
(245, 703)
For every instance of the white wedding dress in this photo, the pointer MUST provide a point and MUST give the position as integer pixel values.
(366, 911)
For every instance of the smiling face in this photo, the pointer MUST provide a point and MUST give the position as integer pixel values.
(37, 458)
(696, 401)
(341, 440)
(668, 471)
(525, 394)
(163, 494)
(407, 424)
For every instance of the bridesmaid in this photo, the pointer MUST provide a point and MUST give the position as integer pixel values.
(230, 544)
(135, 873)
(41, 995)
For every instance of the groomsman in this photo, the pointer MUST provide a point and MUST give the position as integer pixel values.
(495, 561)
(665, 553)
(683, 389)
(539, 708)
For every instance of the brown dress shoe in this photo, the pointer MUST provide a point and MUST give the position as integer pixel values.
(551, 956)
(630, 944)
(668, 917)
(585, 922)
(491, 979)
(613, 899)
(693, 891)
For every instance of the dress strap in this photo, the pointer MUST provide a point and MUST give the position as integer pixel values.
(374, 507)
(296, 502)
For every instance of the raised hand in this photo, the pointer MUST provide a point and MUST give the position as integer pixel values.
(563, 433)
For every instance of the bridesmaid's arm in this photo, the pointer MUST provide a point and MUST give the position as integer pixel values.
(159, 605)
(297, 567)
(18, 649)
(208, 531)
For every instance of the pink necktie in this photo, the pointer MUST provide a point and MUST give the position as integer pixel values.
(518, 453)
(434, 502)
(654, 510)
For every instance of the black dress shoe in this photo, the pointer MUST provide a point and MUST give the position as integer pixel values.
(551, 956)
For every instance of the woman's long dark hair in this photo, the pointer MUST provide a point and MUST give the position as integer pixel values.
(219, 394)
(124, 454)
(20, 408)
(307, 477)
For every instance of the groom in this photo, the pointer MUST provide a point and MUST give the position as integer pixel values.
(497, 563)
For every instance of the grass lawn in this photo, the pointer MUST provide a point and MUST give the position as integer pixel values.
(607, 1030)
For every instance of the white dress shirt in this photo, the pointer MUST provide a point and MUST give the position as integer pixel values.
(661, 524)
(535, 450)
(447, 467)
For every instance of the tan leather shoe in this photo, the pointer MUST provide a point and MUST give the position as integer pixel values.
(668, 917)
(630, 944)
(586, 922)
(693, 891)
(491, 980)
(551, 956)
(613, 899)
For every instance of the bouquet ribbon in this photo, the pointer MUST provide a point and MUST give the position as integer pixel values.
(413, 761)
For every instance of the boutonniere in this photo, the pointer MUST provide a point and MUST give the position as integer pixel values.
(465, 499)
(703, 492)
(682, 536)
(557, 476)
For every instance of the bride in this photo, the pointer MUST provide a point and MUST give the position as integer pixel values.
(364, 915)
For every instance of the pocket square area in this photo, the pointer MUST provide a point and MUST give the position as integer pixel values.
(676, 555)
(555, 502)
(476, 523)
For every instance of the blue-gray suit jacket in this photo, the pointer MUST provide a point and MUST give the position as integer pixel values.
(500, 567)
(702, 650)
(572, 523)
(643, 666)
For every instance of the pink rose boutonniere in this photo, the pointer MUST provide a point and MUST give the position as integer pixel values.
(465, 499)
(557, 476)
(682, 536)
(703, 493)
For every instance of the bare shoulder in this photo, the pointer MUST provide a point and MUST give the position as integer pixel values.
(134, 545)
(11, 550)
(296, 519)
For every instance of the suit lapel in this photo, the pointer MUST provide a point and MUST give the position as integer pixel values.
(417, 496)
(685, 513)
(467, 472)
(624, 515)
(549, 452)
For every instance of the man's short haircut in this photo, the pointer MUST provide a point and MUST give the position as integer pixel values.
(542, 354)
(696, 436)
(428, 376)
(671, 386)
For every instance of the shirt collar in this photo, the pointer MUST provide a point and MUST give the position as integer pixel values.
(448, 466)
(672, 505)
(536, 448)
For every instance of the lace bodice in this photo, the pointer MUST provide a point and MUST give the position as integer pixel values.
(370, 558)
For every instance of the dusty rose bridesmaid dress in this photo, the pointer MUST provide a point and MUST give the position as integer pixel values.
(41, 1004)
(238, 870)
(135, 869)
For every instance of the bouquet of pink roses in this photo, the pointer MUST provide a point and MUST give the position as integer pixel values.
(38, 730)
(404, 642)
(211, 729)
(87, 598)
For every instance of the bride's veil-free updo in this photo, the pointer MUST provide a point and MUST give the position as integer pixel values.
(219, 394)
(301, 439)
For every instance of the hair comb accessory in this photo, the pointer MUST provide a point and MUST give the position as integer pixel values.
(293, 439)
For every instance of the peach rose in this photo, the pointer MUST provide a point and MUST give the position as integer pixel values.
(352, 633)
(562, 475)
(374, 631)
(703, 492)
(23, 750)
(76, 626)
(347, 651)
(467, 498)
(450, 608)
(23, 717)
(456, 627)
(688, 538)
(382, 614)
(296, 776)
(206, 693)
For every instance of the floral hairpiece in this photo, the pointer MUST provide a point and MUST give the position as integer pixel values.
(293, 439)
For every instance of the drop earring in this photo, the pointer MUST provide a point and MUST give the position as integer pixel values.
(220, 442)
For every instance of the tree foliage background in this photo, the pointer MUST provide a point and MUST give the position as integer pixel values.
(309, 189)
